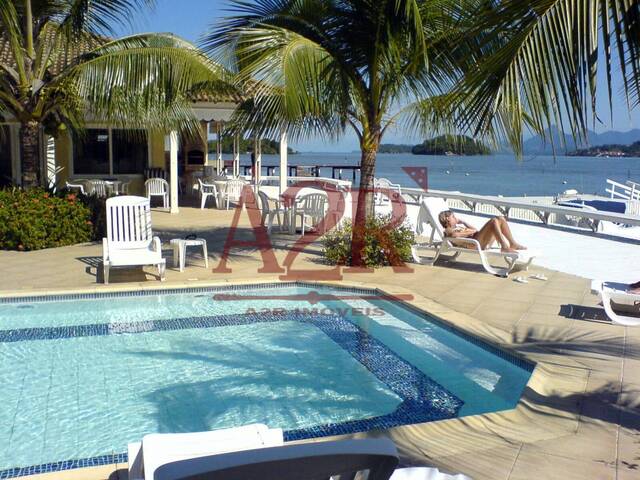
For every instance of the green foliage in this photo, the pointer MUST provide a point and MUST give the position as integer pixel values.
(394, 148)
(384, 244)
(34, 219)
(458, 144)
(269, 147)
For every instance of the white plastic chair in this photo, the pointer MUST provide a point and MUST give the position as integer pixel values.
(129, 240)
(99, 188)
(382, 189)
(268, 213)
(76, 186)
(428, 213)
(207, 190)
(617, 293)
(232, 190)
(312, 206)
(158, 187)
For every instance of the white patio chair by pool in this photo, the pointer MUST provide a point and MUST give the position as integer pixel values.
(160, 449)
(616, 293)
(312, 206)
(309, 461)
(207, 190)
(158, 187)
(428, 212)
(76, 186)
(383, 189)
(232, 190)
(270, 213)
(130, 241)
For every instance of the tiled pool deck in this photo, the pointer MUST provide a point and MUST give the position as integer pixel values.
(579, 417)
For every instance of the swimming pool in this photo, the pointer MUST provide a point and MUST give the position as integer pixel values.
(83, 375)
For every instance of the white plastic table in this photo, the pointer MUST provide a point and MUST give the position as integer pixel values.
(180, 250)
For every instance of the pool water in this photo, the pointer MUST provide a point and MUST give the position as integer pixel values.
(82, 378)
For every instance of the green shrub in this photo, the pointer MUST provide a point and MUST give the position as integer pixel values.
(98, 207)
(384, 245)
(34, 219)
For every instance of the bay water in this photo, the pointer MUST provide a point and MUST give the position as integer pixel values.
(486, 175)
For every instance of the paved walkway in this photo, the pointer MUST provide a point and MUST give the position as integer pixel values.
(579, 417)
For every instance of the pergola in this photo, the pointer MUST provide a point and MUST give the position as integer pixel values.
(213, 116)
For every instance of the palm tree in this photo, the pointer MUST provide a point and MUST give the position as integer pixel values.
(58, 65)
(541, 64)
(321, 66)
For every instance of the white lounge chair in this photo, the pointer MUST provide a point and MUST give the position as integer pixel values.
(430, 208)
(308, 461)
(129, 240)
(158, 187)
(611, 292)
(160, 449)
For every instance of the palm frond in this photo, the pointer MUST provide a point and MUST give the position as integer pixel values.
(542, 63)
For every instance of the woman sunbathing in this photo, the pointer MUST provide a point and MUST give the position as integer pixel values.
(495, 229)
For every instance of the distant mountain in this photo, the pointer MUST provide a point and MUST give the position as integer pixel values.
(537, 146)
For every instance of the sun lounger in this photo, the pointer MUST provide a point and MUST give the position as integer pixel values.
(159, 449)
(129, 240)
(611, 292)
(309, 461)
(427, 220)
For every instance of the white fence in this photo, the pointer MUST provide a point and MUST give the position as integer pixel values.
(546, 214)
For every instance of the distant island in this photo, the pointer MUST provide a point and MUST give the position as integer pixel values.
(394, 148)
(613, 150)
(269, 147)
(442, 145)
(451, 145)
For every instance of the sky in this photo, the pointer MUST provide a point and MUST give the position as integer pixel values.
(191, 19)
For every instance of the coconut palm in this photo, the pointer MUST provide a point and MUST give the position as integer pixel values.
(322, 66)
(57, 64)
(542, 61)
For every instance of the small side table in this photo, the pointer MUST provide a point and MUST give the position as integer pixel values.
(180, 250)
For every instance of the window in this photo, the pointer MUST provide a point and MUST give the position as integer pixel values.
(130, 151)
(91, 152)
(5, 155)
(101, 151)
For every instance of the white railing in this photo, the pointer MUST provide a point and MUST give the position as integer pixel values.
(627, 191)
(547, 214)
(342, 184)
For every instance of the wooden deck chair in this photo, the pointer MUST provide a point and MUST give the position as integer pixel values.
(427, 221)
(129, 240)
(616, 293)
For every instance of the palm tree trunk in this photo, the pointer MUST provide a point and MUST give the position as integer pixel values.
(364, 207)
(30, 153)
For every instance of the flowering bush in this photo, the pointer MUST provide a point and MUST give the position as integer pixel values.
(34, 219)
(384, 245)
